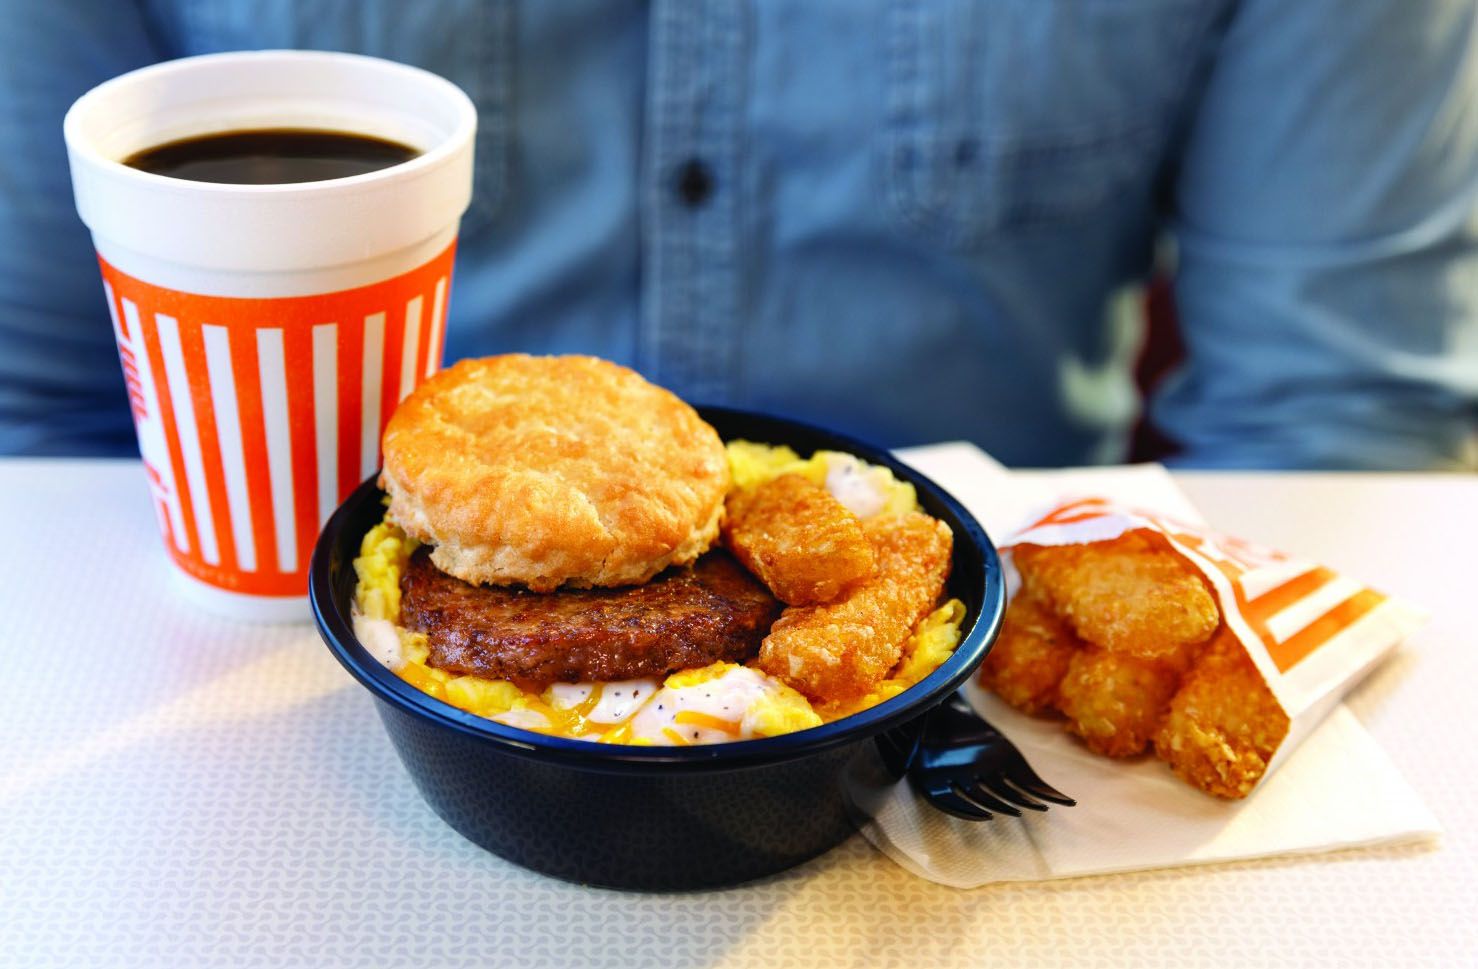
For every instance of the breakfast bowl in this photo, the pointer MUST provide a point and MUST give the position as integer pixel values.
(660, 818)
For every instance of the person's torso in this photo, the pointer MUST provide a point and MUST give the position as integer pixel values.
(903, 218)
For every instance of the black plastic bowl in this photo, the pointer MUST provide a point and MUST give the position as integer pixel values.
(659, 818)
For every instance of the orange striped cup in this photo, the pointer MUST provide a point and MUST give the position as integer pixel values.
(267, 332)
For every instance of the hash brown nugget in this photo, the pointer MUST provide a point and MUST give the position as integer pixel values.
(800, 541)
(1115, 701)
(841, 649)
(1030, 657)
(1224, 724)
(1132, 594)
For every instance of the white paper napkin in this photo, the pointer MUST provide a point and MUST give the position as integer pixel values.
(1338, 790)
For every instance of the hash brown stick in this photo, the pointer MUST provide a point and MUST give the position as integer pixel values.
(1224, 724)
(1030, 657)
(800, 541)
(841, 649)
(1115, 701)
(1132, 594)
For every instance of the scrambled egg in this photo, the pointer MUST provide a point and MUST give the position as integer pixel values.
(721, 702)
(864, 488)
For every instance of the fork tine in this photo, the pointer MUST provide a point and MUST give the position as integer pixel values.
(1026, 780)
(978, 794)
(1001, 787)
(949, 802)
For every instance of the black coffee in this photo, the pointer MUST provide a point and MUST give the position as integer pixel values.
(271, 156)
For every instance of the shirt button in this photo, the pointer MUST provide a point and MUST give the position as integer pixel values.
(694, 183)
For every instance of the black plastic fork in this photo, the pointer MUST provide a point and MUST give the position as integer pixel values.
(965, 767)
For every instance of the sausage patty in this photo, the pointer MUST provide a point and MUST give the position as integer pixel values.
(682, 619)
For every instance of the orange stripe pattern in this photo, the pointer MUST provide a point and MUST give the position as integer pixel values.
(1290, 651)
(1242, 564)
(226, 393)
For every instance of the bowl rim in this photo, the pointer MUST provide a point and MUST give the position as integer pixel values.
(977, 636)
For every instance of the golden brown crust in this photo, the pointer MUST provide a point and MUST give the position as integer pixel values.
(550, 471)
(841, 649)
(1132, 594)
(801, 542)
(1115, 701)
(1030, 657)
(1144, 616)
(1224, 725)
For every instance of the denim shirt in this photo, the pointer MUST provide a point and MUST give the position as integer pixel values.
(908, 219)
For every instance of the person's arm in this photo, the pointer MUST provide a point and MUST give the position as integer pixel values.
(1326, 213)
(61, 387)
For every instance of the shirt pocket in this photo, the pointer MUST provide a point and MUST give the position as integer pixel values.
(469, 42)
(1007, 114)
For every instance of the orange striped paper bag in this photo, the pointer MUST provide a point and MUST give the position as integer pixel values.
(1311, 632)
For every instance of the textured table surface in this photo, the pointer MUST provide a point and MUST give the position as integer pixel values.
(177, 790)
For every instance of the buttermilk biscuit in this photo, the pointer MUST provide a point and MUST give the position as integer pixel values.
(551, 471)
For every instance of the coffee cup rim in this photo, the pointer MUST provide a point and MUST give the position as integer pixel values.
(150, 222)
(81, 141)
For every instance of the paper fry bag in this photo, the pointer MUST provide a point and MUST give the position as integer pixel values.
(1310, 633)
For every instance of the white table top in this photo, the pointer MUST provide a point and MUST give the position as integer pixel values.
(180, 790)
